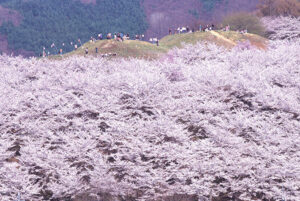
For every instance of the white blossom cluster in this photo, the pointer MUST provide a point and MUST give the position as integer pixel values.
(282, 27)
(207, 121)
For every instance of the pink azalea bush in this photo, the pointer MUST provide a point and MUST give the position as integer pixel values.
(211, 122)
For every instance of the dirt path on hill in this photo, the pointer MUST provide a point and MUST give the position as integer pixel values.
(222, 37)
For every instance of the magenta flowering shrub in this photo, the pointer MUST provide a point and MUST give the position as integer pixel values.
(212, 122)
(244, 45)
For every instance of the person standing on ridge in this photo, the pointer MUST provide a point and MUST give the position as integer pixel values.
(86, 51)
(108, 36)
(122, 36)
(100, 37)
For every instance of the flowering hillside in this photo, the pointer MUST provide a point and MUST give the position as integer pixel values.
(203, 121)
(282, 27)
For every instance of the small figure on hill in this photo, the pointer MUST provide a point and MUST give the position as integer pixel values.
(170, 31)
(60, 51)
(153, 40)
(221, 27)
(193, 30)
(86, 51)
(75, 46)
(227, 28)
(207, 28)
(200, 27)
(100, 36)
(183, 30)
(119, 37)
(44, 53)
(157, 42)
(212, 26)
(96, 50)
(115, 36)
(108, 36)
(187, 29)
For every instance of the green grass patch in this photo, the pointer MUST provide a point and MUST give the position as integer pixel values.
(146, 50)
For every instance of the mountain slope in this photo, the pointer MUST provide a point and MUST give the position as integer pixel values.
(128, 48)
(28, 26)
(66, 21)
(162, 14)
(209, 122)
(226, 39)
(141, 49)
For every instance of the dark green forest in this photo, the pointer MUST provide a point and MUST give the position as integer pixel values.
(65, 21)
(208, 5)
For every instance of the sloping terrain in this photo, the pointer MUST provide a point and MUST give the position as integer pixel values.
(128, 48)
(38, 23)
(205, 121)
(162, 14)
(226, 39)
(146, 50)
(61, 22)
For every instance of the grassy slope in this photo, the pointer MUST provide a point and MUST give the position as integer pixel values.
(226, 39)
(141, 49)
(128, 48)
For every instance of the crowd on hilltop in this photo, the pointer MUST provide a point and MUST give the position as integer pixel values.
(121, 36)
(201, 28)
(75, 45)
(118, 36)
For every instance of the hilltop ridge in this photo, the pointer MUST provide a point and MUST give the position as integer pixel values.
(41, 23)
(143, 49)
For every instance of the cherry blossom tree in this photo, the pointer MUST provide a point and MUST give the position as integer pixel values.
(282, 27)
(203, 121)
